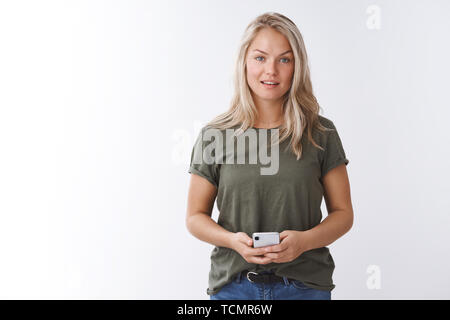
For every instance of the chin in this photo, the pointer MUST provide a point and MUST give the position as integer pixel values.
(273, 97)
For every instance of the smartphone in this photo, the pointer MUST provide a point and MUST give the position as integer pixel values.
(262, 239)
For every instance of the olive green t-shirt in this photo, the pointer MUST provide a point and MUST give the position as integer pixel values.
(290, 199)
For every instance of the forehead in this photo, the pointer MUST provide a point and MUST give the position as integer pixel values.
(270, 41)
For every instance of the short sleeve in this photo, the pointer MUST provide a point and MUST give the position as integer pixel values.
(198, 164)
(334, 154)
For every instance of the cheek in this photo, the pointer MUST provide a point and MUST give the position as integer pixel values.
(290, 71)
(289, 75)
(252, 71)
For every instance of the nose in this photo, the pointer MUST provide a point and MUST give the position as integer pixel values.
(271, 69)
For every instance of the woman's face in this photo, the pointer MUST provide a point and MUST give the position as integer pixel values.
(269, 58)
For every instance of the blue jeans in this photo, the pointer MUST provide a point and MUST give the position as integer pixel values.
(242, 289)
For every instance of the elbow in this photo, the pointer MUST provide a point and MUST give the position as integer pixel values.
(350, 220)
(188, 223)
(346, 217)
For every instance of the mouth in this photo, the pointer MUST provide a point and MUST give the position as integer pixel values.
(269, 84)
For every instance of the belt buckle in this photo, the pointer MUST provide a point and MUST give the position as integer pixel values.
(252, 273)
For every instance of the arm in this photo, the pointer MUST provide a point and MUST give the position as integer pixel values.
(201, 197)
(199, 223)
(340, 211)
(339, 221)
(203, 227)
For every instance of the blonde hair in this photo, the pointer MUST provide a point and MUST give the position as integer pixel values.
(301, 109)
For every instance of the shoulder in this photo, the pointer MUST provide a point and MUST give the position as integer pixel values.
(322, 136)
(210, 130)
(216, 130)
(209, 134)
(327, 123)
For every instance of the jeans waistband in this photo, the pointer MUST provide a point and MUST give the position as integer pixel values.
(241, 276)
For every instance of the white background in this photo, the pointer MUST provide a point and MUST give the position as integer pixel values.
(100, 102)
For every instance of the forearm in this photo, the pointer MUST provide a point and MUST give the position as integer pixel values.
(206, 229)
(334, 226)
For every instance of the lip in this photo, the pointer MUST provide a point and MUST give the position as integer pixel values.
(270, 81)
(269, 86)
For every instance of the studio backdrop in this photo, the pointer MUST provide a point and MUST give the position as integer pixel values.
(100, 105)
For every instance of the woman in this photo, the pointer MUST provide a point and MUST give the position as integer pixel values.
(273, 93)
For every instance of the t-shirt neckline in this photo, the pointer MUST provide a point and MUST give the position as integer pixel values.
(267, 128)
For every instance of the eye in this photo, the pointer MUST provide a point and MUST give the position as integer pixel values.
(288, 60)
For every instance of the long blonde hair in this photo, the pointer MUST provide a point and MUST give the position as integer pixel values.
(301, 109)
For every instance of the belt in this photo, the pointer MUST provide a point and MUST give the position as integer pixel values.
(261, 278)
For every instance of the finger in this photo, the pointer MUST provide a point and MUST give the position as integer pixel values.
(248, 240)
(273, 256)
(277, 256)
(261, 260)
(275, 248)
(283, 235)
(258, 251)
(245, 239)
(284, 244)
(281, 246)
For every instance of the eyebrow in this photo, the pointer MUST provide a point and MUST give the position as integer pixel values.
(267, 53)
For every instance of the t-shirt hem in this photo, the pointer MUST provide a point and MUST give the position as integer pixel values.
(193, 170)
(322, 288)
(211, 292)
(335, 164)
(318, 287)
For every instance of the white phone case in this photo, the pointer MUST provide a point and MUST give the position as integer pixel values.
(262, 239)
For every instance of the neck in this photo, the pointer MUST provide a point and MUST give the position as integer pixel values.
(270, 114)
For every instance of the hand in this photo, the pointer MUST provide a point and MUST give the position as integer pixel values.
(292, 245)
(243, 244)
